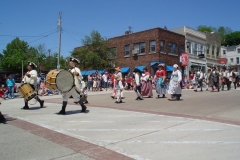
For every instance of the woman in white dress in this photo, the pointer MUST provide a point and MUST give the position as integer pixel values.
(175, 89)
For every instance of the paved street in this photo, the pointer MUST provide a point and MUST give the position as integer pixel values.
(203, 125)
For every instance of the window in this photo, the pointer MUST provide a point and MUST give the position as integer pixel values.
(195, 47)
(238, 50)
(190, 47)
(162, 46)
(231, 59)
(237, 60)
(140, 47)
(172, 48)
(224, 51)
(127, 50)
(152, 46)
(213, 48)
(112, 53)
(218, 49)
(208, 48)
(181, 49)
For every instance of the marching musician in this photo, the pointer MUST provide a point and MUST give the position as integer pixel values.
(198, 77)
(77, 75)
(137, 87)
(225, 77)
(214, 78)
(31, 78)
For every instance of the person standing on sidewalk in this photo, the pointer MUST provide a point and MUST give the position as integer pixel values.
(105, 81)
(31, 78)
(10, 84)
(76, 72)
(119, 85)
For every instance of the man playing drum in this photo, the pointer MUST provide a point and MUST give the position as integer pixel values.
(31, 78)
(77, 73)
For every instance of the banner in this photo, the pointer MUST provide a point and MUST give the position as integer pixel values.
(222, 60)
(184, 59)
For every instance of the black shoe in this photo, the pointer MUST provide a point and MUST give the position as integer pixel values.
(140, 98)
(112, 97)
(157, 97)
(122, 97)
(120, 101)
(163, 96)
(116, 102)
(25, 107)
(62, 112)
(201, 90)
(195, 90)
(41, 104)
(75, 102)
(137, 98)
(83, 108)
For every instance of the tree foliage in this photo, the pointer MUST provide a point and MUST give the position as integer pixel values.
(94, 54)
(221, 31)
(232, 39)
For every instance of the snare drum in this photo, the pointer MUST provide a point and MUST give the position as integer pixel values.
(26, 91)
(61, 80)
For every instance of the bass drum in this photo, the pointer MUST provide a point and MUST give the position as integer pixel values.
(61, 80)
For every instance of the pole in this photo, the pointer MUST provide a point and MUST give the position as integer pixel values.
(22, 66)
(49, 51)
(59, 38)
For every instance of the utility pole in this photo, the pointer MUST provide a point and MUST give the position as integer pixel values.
(59, 22)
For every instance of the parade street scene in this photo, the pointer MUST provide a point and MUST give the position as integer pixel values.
(119, 80)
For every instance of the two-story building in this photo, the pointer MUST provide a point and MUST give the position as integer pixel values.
(147, 48)
(230, 56)
(203, 48)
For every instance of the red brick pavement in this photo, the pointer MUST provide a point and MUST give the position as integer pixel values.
(79, 146)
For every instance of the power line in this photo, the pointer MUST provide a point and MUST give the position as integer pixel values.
(71, 36)
(43, 36)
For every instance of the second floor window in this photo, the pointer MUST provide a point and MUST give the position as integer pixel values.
(213, 48)
(140, 47)
(152, 46)
(172, 48)
(127, 50)
(162, 46)
(231, 59)
(181, 48)
(224, 51)
(238, 50)
(112, 53)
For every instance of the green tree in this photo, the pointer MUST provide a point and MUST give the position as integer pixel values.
(13, 54)
(232, 39)
(95, 52)
(221, 31)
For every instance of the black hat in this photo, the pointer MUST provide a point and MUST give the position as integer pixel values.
(224, 67)
(32, 64)
(136, 70)
(72, 59)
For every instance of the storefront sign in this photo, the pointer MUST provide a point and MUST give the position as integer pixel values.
(184, 59)
(222, 60)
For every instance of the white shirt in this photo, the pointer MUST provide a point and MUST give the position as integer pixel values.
(137, 79)
(32, 79)
(104, 77)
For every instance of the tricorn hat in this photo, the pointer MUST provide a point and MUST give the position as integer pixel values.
(32, 64)
(72, 59)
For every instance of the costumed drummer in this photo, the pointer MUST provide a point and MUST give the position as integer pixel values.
(31, 78)
(77, 75)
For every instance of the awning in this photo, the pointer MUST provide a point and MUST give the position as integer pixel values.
(84, 73)
(101, 71)
(140, 68)
(125, 69)
(91, 71)
(169, 68)
(156, 62)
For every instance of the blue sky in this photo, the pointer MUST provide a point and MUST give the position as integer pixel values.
(35, 21)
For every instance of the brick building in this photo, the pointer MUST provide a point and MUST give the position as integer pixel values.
(147, 48)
